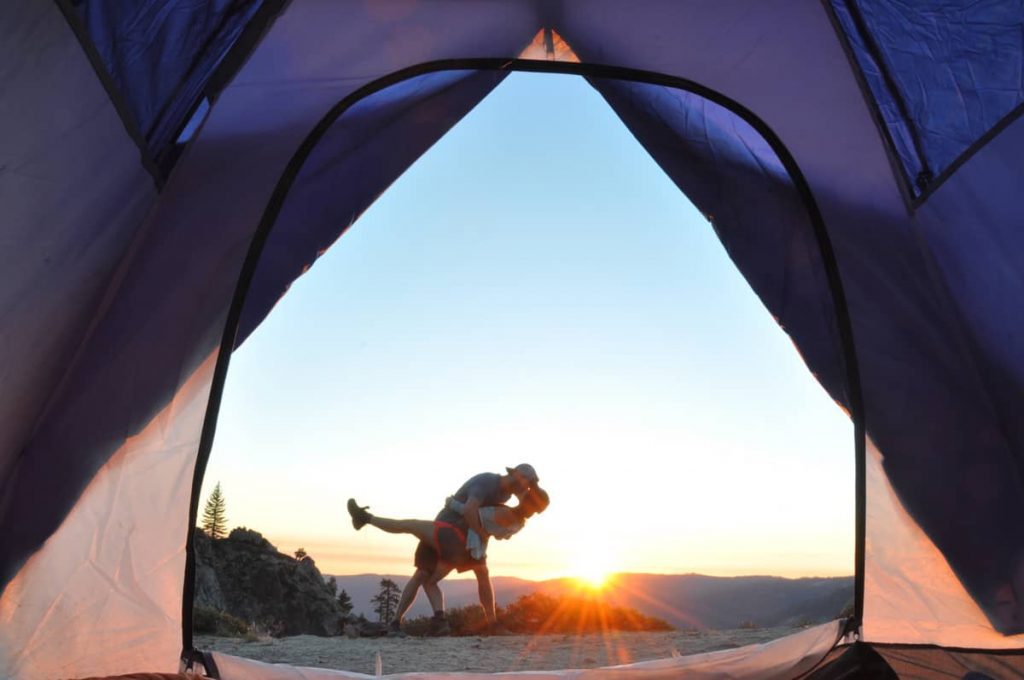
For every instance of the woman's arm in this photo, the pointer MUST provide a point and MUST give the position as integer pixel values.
(467, 511)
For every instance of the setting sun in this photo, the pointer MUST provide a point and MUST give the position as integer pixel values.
(594, 580)
(593, 568)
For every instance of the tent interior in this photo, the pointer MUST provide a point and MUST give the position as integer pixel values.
(170, 169)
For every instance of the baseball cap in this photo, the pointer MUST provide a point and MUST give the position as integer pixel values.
(526, 470)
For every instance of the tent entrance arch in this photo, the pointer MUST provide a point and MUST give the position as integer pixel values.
(794, 195)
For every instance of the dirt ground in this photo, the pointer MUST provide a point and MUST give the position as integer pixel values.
(485, 654)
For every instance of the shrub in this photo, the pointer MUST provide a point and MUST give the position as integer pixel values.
(540, 613)
(543, 613)
(206, 621)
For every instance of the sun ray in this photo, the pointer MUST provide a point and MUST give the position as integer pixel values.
(660, 605)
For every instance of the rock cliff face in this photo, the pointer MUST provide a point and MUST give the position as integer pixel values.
(245, 576)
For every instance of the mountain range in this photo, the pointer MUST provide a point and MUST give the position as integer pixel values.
(684, 600)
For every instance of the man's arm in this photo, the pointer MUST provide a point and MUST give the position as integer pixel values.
(486, 592)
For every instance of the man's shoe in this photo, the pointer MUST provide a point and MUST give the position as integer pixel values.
(360, 517)
(395, 630)
(498, 629)
(439, 627)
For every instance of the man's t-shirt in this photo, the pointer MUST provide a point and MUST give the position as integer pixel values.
(485, 487)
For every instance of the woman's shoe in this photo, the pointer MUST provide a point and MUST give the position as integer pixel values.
(360, 517)
(439, 626)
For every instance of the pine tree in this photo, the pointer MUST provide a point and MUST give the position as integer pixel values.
(215, 521)
(385, 602)
(344, 604)
(300, 553)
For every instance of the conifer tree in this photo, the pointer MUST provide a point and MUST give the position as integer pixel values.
(344, 604)
(385, 602)
(215, 519)
(300, 553)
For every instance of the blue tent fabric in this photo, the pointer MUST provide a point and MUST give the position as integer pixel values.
(942, 74)
(911, 163)
(976, 250)
(160, 54)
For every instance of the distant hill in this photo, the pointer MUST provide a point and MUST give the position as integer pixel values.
(684, 600)
(697, 601)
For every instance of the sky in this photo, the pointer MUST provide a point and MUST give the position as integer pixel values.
(535, 289)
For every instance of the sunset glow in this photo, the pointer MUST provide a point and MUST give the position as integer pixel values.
(594, 580)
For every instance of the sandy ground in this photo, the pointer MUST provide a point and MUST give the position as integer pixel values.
(487, 654)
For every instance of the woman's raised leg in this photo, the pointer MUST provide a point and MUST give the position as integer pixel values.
(420, 528)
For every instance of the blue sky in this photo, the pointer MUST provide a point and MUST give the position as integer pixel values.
(535, 289)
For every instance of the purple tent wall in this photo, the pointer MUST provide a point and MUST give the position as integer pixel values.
(970, 229)
(73, 192)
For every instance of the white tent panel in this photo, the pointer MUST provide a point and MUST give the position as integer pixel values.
(104, 593)
(911, 595)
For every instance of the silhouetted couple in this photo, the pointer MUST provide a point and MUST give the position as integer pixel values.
(457, 538)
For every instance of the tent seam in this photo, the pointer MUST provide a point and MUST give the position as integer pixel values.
(107, 82)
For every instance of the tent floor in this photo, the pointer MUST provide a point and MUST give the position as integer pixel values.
(906, 662)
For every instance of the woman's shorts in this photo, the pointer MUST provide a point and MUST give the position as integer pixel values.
(451, 541)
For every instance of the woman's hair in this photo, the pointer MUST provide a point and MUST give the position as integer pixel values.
(533, 501)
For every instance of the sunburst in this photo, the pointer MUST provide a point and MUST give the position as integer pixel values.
(593, 567)
(593, 578)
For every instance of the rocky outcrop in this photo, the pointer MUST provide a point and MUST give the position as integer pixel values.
(245, 576)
